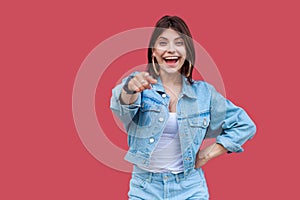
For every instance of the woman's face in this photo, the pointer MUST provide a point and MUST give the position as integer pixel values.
(169, 51)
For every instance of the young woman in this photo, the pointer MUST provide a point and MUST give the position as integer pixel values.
(167, 115)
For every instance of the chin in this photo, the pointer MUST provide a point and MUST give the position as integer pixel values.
(171, 70)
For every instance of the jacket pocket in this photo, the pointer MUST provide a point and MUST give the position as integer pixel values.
(198, 126)
(147, 113)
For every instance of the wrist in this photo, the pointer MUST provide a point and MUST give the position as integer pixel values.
(216, 151)
(125, 86)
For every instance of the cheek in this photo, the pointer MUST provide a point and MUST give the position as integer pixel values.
(159, 52)
(182, 51)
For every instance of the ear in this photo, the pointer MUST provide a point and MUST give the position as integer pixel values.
(153, 52)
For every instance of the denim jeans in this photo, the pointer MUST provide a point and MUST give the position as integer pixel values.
(167, 186)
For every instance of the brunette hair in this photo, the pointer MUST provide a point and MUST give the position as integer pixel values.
(177, 24)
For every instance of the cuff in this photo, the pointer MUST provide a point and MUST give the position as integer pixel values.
(124, 108)
(229, 145)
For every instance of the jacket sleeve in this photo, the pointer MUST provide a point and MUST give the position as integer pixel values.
(229, 124)
(124, 112)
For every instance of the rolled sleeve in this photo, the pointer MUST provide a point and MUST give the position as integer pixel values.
(229, 145)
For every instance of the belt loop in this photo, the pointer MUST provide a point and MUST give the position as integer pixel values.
(177, 178)
(150, 177)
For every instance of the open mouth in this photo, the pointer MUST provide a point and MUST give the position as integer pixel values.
(171, 60)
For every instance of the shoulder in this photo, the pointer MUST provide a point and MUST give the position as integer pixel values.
(202, 85)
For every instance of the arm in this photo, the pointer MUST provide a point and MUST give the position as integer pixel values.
(229, 124)
(125, 104)
(209, 153)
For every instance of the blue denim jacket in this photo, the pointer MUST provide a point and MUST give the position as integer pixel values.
(202, 112)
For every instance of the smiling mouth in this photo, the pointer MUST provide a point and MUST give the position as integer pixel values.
(171, 60)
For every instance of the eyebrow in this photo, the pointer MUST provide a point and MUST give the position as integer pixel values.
(161, 37)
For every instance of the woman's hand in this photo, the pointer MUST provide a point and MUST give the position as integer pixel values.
(208, 153)
(138, 83)
(141, 81)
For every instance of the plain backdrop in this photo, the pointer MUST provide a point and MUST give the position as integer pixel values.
(255, 45)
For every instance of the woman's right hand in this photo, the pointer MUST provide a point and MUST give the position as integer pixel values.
(138, 83)
(141, 81)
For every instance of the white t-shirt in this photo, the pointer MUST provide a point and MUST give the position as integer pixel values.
(167, 157)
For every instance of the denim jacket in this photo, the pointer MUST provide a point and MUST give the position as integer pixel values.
(202, 113)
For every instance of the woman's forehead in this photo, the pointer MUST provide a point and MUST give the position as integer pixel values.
(169, 34)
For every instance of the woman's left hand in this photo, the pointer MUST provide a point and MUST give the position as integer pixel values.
(202, 157)
(208, 153)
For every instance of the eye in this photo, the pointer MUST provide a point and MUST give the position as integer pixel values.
(179, 43)
(162, 43)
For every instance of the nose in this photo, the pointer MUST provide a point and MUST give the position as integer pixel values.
(171, 48)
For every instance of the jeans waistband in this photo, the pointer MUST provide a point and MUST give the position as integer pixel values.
(151, 176)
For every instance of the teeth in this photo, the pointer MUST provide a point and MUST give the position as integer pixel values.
(171, 58)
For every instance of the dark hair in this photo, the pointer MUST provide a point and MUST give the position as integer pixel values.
(178, 25)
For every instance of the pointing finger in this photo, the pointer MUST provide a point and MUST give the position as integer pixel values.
(151, 80)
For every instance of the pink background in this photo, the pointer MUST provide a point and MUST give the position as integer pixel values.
(255, 45)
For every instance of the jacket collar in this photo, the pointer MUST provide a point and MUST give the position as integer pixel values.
(187, 88)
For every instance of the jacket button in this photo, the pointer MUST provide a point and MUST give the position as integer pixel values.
(161, 119)
(164, 95)
(151, 140)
